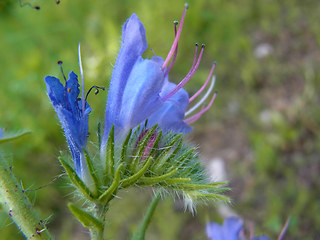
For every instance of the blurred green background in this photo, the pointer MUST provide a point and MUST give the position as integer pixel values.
(264, 123)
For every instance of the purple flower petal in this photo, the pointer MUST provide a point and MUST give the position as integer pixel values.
(133, 45)
(229, 230)
(214, 231)
(263, 237)
(172, 112)
(74, 122)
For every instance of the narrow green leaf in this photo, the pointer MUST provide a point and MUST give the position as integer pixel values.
(109, 170)
(92, 171)
(107, 195)
(12, 136)
(85, 218)
(132, 179)
(74, 178)
(157, 179)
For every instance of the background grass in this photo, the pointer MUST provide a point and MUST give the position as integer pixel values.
(264, 123)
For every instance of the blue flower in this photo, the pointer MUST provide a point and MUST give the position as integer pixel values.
(73, 114)
(1, 133)
(139, 88)
(229, 230)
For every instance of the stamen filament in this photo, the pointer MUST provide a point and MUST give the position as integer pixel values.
(204, 85)
(82, 80)
(176, 39)
(186, 78)
(61, 69)
(175, 51)
(96, 92)
(196, 106)
(195, 117)
(195, 67)
(195, 56)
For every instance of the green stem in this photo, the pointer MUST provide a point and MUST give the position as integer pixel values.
(100, 213)
(17, 205)
(96, 234)
(141, 231)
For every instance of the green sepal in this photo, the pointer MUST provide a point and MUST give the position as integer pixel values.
(165, 156)
(183, 159)
(132, 179)
(91, 169)
(141, 147)
(107, 195)
(223, 183)
(173, 181)
(85, 218)
(157, 179)
(109, 164)
(198, 195)
(125, 146)
(74, 178)
(7, 137)
(191, 186)
(216, 197)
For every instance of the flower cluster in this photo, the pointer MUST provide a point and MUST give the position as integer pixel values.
(145, 120)
(139, 93)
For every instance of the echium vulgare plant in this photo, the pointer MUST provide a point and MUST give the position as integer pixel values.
(143, 140)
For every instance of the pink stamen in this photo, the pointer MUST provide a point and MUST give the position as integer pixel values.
(186, 78)
(176, 39)
(195, 56)
(195, 117)
(199, 60)
(175, 51)
(204, 85)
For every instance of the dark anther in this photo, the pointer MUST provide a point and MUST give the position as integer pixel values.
(61, 69)
(203, 45)
(95, 92)
(37, 7)
(175, 22)
(196, 44)
(57, 2)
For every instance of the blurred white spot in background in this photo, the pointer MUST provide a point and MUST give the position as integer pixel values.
(263, 50)
(217, 172)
